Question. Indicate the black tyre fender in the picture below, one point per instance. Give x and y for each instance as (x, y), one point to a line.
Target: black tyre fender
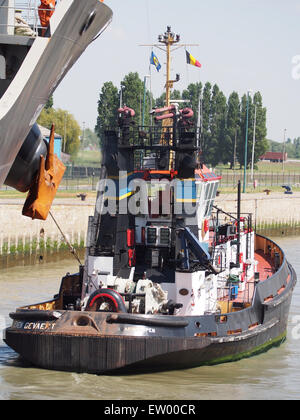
(112, 298)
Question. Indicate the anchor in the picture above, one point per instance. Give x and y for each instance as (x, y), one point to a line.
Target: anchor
(43, 191)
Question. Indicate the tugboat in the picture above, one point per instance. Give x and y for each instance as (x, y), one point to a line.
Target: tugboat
(33, 61)
(170, 281)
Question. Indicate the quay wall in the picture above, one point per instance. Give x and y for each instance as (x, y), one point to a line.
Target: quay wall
(28, 241)
(268, 211)
(34, 240)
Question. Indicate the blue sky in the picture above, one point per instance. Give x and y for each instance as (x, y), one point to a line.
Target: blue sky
(243, 44)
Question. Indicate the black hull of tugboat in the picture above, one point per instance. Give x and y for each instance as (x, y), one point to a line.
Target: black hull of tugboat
(98, 355)
(105, 343)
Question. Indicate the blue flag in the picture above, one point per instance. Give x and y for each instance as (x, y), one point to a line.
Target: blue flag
(154, 61)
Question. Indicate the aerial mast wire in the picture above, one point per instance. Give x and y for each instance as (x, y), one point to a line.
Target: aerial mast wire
(167, 41)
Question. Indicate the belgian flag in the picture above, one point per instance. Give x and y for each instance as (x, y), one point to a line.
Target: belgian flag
(192, 60)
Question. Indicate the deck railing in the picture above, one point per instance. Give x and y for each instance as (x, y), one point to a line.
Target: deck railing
(20, 18)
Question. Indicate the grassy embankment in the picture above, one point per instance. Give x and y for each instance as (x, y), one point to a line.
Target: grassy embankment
(270, 176)
(91, 158)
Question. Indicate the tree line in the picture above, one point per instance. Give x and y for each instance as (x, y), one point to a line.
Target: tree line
(223, 119)
(292, 147)
(65, 125)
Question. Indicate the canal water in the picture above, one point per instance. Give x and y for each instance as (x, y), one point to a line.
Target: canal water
(272, 375)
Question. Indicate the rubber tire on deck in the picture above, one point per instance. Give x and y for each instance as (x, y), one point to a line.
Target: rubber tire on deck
(111, 298)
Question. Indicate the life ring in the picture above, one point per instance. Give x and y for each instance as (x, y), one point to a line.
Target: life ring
(106, 300)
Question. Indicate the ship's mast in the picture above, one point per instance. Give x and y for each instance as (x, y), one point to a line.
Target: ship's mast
(169, 42)
(169, 39)
(166, 41)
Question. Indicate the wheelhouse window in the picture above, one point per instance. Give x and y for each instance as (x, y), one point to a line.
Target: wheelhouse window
(210, 194)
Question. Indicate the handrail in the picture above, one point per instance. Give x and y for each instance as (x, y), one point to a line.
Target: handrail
(28, 14)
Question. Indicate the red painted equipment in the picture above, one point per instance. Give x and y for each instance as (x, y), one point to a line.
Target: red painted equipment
(127, 111)
(130, 238)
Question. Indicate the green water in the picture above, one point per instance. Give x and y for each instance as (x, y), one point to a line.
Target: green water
(271, 375)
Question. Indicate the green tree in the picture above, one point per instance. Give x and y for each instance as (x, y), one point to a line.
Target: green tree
(241, 141)
(213, 123)
(160, 101)
(65, 125)
(176, 95)
(223, 122)
(292, 149)
(49, 103)
(108, 105)
(296, 144)
(89, 138)
(217, 126)
(232, 130)
(206, 105)
(133, 97)
(261, 142)
(192, 94)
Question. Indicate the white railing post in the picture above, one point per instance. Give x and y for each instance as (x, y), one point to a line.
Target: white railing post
(7, 17)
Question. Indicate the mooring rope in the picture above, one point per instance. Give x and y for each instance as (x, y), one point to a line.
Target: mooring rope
(72, 249)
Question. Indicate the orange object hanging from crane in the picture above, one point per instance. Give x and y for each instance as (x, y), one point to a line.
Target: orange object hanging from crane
(43, 191)
(46, 10)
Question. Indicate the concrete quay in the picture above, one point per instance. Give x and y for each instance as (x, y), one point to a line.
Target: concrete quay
(274, 209)
(19, 234)
(17, 231)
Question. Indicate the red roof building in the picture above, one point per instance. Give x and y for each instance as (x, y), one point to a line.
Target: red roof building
(275, 156)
